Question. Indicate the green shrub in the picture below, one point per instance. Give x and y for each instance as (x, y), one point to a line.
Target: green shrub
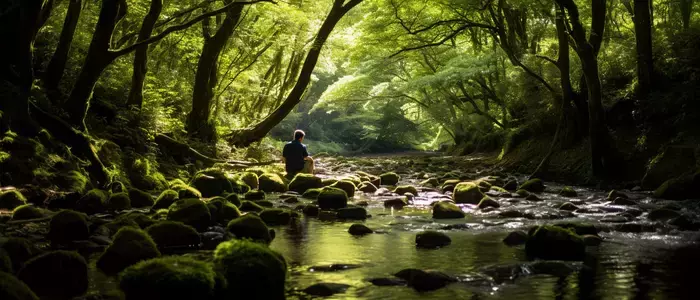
(251, 269)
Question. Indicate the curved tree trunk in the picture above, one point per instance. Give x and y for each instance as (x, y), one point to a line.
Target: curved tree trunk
(141, 55)
(54, 71)
(199, 121)
(247, 136)
(16, 73)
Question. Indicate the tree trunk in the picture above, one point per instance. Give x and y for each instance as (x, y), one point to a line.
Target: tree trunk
(97, 60)
(247, 136)
(686, 12)
(199, 121)
(141, 55)
(54, 71)
(569, 116)
(585, 50)
(16, 73)
(642, 30)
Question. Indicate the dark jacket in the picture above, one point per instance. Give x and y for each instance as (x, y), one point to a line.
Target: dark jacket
(294, 153)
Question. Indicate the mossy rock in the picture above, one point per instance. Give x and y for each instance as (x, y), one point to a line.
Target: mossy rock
(568, 206)
(332, 198)
(11, 288)
(534, 185)
(532, 197)
(19, 250)
(367, 187)
(567, 191)
(140, 219)
(165, 199)
(511, 185)
(172, 278)
(277, 216)
(212, 184)
(680, 188)
(662, 214)
(431, 182)
(129, 247)
(329, 181)
(254, 195)
(311, 193)
(452, 182)
(467, 192)
(120, 223)
(499, 189)
(186, 191)
(95, 201)
(251, 269)
(310, 210)
(11, 199)
(578, 228)
(396, 203)
(67, 226)
(668, 164)
(347, 186)
(250, 227)
(143, 176)
(447, 210)
(515, 238)
(303, 182)
(234, 199)
(26, 212)
(193, 212)
(239, 187)
(249, 206)
(117, 187)
(402, 189)
(119, 201)
(170, 234)
(272, 183)
(249, 178)
(359, 230)
(432, 239)
(488, 202)
(227, 212)
(72, 181)
(176, 182)
(56, 275)
(555, 243)
(352, 213)
(140, 198)
(5, 262)
(614, 194)
(389, 178)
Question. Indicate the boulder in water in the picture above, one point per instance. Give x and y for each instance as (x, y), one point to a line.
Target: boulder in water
(534, 185)
(310, 210)
(591, 240)
(18, 250)
(568, 206)
(403, 189)
(567, 191)
(511, 185)
(93, 202)
(680, 188)
(488, 202)
(423, 281)
(193, 212)
(623, 201)
(129, 247)
(56, 274)
(432, 239)
(467, 192)
(614, 194)
(352, 213)
(248, 206)
(272, 183)
(447, 210)
(139, 198)
(515, 238)
(367, 187)
(254, 195)
(326, 289)
(172, 277)
(555, 243)
(396, 203)
(311, 193)
(12, 288)
(303, 182)
(211, 184)
(249, 178)
(359, 229)
(170, 234)
(250, 269)
(332, 198)
(347, 186)
(250, 227)
(277, 216)
(119, 201)
(662, 214)
(431, 182)
(389, 178)
(67, 226)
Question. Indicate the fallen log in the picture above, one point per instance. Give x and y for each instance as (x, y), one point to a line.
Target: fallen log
(181, 150)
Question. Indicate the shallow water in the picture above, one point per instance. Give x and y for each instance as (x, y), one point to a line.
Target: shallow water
(652, 265)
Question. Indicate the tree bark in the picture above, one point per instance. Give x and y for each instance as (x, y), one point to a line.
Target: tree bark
(686, 12)
(97, 60)
(244, 137)
(199, 121)
(569, 116)
(599, 137)
(141, 55)
(16, 72)
(642, 30)
(57, 64)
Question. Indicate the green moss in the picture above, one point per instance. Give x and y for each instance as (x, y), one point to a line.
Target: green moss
(389, 178)
(26, 212)
(329, 181)
(192, 212)
(311, 193)
(254, 195)
(402, 189)
(143, 176)
(93, 202)
(239, 187)
(186, 191)
(567, 191)
(140, 198)
(251, 269)
(447, 210)
(228, 212)
(303, 182)
(534, 185)
(249, 178)
(248, 206)
(367, 187)
(488, 202)
(172, 278)
(498, 189)
(347, 186)
(176, 182)
(272, 183)
(211, 184)
(467, 192)
(277, 216)
(11, 199)
(169, 234)
(432, 182)
(140, 219)
(250, 227)
(71, 181)
(129, 247)
(165, 199)
(452, 182)
(234, 199)
(19, 250)
(119, 201)
(68, 226)
(56, 275)
(12, 288)
(4, 156)
(332, 198)
(554, 242)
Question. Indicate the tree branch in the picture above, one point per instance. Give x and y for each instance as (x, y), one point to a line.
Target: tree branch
(445, 39)
(548, 59)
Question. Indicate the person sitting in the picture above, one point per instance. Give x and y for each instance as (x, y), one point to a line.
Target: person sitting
(295, 156)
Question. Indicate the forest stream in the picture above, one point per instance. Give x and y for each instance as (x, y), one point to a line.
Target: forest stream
(642, 255)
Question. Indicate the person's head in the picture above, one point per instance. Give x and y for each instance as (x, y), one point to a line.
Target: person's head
(299, 135)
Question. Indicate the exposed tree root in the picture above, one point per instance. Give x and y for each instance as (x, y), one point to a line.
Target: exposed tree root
(183, 152)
